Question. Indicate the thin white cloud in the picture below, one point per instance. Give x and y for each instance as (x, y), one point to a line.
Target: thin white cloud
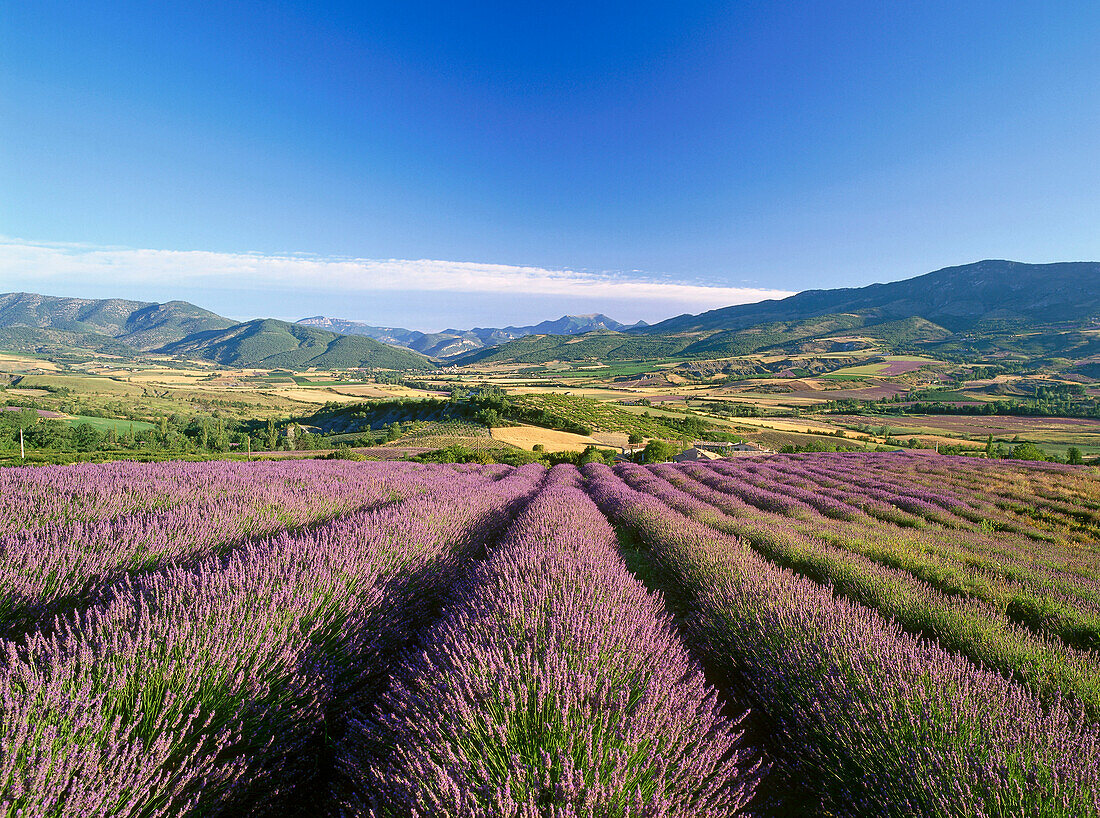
(36, 265)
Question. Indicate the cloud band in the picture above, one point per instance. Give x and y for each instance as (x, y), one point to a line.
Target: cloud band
(23, 263)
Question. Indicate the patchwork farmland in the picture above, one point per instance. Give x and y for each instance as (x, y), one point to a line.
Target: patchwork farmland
(834, 634)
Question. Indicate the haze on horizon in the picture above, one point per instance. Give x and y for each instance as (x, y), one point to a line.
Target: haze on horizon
(432, 164)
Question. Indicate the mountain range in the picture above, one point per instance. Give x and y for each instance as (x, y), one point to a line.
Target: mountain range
(1001, 308)
(991, 306)
(30, 322)
(113, 322)
(451, 342)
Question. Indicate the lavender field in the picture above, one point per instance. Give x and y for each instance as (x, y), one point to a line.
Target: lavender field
(866, 634)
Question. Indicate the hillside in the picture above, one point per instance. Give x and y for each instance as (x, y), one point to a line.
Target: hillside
(268, 343)
(394, 336)
(137, 325)
(983, 295)
(595, 346)
(991, 307)
(452, 342)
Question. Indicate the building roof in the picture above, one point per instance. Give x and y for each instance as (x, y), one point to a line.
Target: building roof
(695, 455)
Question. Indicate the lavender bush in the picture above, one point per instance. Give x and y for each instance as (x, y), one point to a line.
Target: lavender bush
(873, 719)
(555, 685)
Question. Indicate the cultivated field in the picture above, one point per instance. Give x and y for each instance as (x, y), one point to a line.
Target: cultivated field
(527, 437)
(883, 634)
(1052, 433)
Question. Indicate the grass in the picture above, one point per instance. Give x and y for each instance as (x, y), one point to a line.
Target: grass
(617, 370)
(598, 416)
(106, 424)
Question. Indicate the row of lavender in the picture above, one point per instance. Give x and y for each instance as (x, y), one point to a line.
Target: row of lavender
(300, 673)
(554, 684)
(208, 687)
(1046, 581)
(395, 659)
(977, 629)
(870, 719)
(140, 517)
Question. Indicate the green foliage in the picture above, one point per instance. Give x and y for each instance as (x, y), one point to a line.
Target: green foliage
(1053, 400)
(1027, 451)
(586, 415)
(660, 451)
(819, 446)
(458, 453)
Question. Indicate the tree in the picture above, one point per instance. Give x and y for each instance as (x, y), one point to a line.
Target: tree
(634, 439)
(1027, 451)
(271, 435)
(219, 441)
(989, 445)
(660, 451)
(1073, 456)
(86, 437)
(490, 417)
(49, 434)
(593, 454)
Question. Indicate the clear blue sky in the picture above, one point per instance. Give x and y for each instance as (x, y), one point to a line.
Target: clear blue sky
(764, 145)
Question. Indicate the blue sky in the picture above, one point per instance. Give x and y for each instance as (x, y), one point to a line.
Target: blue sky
(639, 159)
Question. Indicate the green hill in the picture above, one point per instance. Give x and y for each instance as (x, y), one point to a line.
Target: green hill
(119, 324)
(46, 341)
(983, 295)
(271, 344)
(1026, 310)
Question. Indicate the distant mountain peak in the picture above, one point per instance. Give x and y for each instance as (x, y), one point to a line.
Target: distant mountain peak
(451, 342)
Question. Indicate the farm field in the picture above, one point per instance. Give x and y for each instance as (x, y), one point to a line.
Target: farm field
(1053, 433)
(580, 396)
(830, 634)
(891, 365)
(526, 437)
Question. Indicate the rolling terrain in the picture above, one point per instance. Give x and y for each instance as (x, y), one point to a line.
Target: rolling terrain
(271, 344)
(1003, 308)
(451, 342)
(114, 324)
(42, 324)
(993, 309)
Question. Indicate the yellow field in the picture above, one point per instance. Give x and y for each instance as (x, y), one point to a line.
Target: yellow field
(526, 437)
(18, 363)
(616, 439)
(167, 377)
(85, 385)
(578, 391)
(810, 426)
(318, 396)
(367, 391)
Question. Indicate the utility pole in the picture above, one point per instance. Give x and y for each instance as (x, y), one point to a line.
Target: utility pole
(22, 451)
